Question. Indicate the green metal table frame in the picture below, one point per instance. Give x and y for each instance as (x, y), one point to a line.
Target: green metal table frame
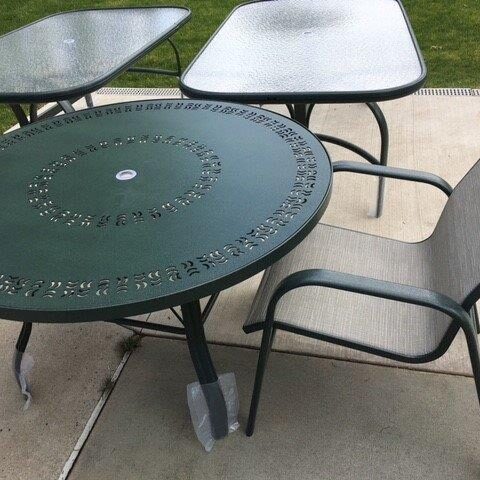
(100, 206)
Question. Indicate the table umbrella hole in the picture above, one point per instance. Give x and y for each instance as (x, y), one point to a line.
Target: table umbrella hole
(123, 175)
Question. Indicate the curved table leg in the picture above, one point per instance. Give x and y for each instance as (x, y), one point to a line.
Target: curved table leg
(382, 125)
(197, 344)
(20, 348)
(302, 113)
(63, 105)
(177, 57)
(23, 120)
(160, 71)
(19, 113)
(290, 109)
(349, 146)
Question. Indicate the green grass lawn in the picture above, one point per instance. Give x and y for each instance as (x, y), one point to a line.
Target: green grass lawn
(448, 32)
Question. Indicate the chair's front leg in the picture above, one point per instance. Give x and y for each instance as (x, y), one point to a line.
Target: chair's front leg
(472, 342)
(474, 315)
(267, 341)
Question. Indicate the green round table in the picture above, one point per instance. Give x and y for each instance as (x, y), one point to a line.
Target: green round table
(131, 208)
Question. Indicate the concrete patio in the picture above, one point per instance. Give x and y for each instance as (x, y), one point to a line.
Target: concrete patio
(327, 412)
(318, 419)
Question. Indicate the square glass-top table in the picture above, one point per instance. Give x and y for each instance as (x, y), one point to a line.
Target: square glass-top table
(305, 52)
(71, 54)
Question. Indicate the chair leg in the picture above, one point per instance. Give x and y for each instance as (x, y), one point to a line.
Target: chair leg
(472, 342)
(267, 342)
(474, 315)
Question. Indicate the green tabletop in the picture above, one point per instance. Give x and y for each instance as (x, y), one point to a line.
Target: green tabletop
(129, 208)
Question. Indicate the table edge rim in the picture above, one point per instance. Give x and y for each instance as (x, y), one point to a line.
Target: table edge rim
(84, 89)
(310, 97)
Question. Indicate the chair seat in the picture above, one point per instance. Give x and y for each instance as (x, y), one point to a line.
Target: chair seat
(386, 325)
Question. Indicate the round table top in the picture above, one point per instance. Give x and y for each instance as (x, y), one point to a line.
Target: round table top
(133, 207)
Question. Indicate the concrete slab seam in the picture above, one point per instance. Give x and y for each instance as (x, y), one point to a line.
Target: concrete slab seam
(93, 418)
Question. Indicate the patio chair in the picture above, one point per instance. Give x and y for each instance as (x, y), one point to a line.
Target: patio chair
(399, 300)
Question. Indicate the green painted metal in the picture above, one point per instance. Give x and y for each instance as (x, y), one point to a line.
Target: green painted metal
(218, 192)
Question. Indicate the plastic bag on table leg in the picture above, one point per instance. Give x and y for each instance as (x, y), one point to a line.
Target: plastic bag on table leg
(199, 411)
(22, 366)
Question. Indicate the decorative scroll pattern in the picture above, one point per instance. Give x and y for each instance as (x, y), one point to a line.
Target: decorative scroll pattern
(38, 190)
(302, 187)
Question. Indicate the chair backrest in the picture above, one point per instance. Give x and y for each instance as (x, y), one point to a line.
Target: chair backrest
(455, 242)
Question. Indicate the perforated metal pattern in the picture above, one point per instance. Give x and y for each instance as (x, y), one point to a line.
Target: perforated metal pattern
(220, 192)
(273, 50)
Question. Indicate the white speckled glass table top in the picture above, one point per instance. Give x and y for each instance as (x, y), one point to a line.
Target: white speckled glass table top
(309, 51)
(73, 53)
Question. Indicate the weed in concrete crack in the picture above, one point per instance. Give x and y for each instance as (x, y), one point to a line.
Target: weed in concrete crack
(130, 343)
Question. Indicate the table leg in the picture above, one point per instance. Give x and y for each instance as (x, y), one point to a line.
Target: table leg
(66, 105)
(383, 127)
(23, 120)
(33, 112)
(89, 100)
(177, 57)
(19, 113)
(20, 348)
(197, 344)
(300, 113)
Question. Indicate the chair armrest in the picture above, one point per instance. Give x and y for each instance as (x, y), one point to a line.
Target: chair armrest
(393, 172)
(371, 287)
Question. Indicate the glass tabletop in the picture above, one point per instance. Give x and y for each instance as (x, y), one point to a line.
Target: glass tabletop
(301, 51)
(76, 52)
(134, 207)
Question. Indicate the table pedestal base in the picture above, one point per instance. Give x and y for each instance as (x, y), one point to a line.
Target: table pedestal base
(202, 418)
(22, 363)
(202, 362)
